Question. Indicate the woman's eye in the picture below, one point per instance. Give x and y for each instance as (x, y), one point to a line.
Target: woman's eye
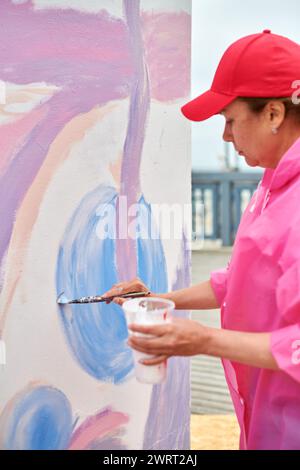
(229, 121)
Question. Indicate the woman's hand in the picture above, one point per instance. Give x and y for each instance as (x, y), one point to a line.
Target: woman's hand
(184, 337)
(181, 337)
(136, 285)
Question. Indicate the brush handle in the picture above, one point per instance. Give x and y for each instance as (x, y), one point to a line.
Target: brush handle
(99, 298)
(132, 294)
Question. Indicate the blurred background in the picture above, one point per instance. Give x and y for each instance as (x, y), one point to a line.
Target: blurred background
(215, 25)
(222, 182)
(222, 185)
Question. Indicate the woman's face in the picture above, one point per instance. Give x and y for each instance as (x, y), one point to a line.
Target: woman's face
(251, 134)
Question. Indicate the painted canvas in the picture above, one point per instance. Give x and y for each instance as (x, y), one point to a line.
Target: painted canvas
(90, 122)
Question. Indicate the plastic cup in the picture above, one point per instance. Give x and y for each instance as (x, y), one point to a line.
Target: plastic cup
(148, 311)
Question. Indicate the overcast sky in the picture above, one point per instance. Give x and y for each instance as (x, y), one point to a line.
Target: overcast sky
(216, 24)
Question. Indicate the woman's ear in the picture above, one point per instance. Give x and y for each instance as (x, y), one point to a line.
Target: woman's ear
(275, 113)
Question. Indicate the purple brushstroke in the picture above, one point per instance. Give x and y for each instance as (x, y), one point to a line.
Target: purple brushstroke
(139, 106)
(168, 423)
(138, 112)
(165, 429)
(55, 42)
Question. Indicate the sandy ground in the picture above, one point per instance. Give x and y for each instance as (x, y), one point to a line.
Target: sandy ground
(214, 432)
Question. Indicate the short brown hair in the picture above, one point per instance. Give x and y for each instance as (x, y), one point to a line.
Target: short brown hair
(256, 105)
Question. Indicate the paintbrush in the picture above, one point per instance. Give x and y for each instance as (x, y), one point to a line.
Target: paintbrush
(63, 300)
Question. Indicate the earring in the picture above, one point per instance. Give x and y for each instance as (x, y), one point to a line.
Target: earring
(274, 130)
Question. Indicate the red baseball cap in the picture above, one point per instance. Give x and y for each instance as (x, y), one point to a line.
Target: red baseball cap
(260, 66)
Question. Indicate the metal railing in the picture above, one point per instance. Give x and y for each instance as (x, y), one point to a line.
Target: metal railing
(218, 201)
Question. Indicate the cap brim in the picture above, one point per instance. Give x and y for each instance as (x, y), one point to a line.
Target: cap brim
(206, 105)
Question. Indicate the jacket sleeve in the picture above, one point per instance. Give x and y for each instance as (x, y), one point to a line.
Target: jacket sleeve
(285, 341)
(218, 281)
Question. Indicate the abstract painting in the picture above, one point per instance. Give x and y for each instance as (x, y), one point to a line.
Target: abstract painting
(91, 118)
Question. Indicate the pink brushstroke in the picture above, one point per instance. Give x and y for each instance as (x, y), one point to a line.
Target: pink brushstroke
(97, 427)
(91, 58)
(32, 39)
(168, 53)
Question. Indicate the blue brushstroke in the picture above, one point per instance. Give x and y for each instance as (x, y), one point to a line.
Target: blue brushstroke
(41, 420)
(97, 333)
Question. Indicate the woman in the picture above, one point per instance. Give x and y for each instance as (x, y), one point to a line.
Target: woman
(259, 291)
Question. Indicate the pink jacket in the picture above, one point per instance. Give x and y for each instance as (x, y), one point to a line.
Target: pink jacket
(260, 292)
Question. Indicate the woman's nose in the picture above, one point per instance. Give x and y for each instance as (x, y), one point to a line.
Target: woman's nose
(227, 135)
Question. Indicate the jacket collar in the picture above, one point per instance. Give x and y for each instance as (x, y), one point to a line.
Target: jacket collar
(287, 168)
